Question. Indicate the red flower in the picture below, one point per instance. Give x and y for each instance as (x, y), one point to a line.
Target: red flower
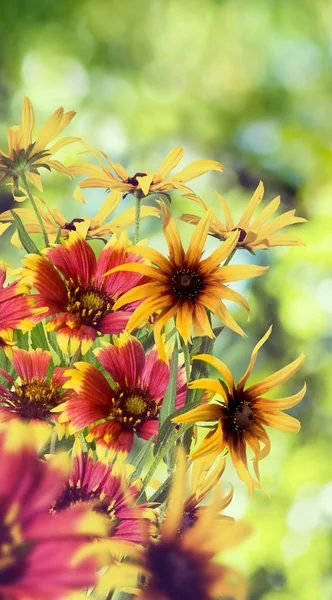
(70, 284)
(37, 550)
(34, 397)
(16, 310)
(105, 488)
(131, 405)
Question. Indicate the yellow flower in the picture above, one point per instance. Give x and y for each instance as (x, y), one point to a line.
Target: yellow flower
(114, 176)
(26, 157)
(88, 228)
(241, 413)
(180, 564)
(184, 285)
(255, 234)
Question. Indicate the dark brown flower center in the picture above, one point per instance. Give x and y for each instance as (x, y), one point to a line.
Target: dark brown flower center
(34, 399)
(133, 180)
(242, 235)
(133, 407)
(244, 417)
(186, 283)
(88, 303)
(176, 574)
(71, 225)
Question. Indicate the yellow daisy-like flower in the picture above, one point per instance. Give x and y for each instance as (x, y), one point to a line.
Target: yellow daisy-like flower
(180, 564)
(240, 414)
(114, 176)
(27, 157)
(88, 228)
(257, 234)
(184, 285)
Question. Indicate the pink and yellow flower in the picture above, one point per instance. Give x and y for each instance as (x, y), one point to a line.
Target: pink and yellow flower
(127, 407)
(106, 489)
(37, 550)
(17, 309)
(79, 299)
(36, 394)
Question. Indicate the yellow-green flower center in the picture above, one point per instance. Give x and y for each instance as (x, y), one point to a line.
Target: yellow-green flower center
(88, 303)
(34, 399)
(133, 407)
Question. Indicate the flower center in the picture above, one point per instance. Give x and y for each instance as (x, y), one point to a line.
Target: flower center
(186, 283)
(34, 399)
(75, 494)
(175, 574)
(133, 180)
(244, 417)
(134, 407)
(88, 303)
(71, 225)
(242, 235)
(12, 549)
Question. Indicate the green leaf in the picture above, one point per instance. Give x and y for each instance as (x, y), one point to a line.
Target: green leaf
(26, 241)
(21, 339)
(38, 338)
(178, 433)
(168, 405)
(139, 460)
(161, 494)
(7, 366)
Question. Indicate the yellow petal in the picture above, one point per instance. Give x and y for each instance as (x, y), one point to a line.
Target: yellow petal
(196, 169)
(227, 212)
(27, 122)
(267, 384)
(172, 236)
(168, 164)
(254, 202)
(220, 366)
(198, 239)
(253, 358)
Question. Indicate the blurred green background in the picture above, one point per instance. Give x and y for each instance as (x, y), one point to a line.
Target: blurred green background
(249, 84)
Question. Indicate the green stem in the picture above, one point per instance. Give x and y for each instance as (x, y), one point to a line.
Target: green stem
(137, 217)
(229, 258)
(53, 441)
(187, 364)
(34, 206)
(162, 453)
(75, 357)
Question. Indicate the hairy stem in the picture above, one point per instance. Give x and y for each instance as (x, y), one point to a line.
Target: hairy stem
(137, 217)
(34, 206)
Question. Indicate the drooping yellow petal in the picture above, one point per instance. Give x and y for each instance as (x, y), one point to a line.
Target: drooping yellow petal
(184, 319)
(200, 414)
(208, 384)
(253, 358)
(145, 182)
(267, 405)
(237, 272)
(280, 420)
(219, 365)
(267, 384)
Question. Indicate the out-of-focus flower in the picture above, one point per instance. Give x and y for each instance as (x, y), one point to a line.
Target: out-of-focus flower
(106, 489)
(26, 157)
(79, 299)
(115, 178)
(33, 398)
(202, 484)
(130, 405)
(16, 310)
(56, 224)
(180, 566)
(37, 549)
(241, 414)
(254, 235)
(185, 286)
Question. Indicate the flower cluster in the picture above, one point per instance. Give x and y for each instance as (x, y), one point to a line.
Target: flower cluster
(109, 381)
